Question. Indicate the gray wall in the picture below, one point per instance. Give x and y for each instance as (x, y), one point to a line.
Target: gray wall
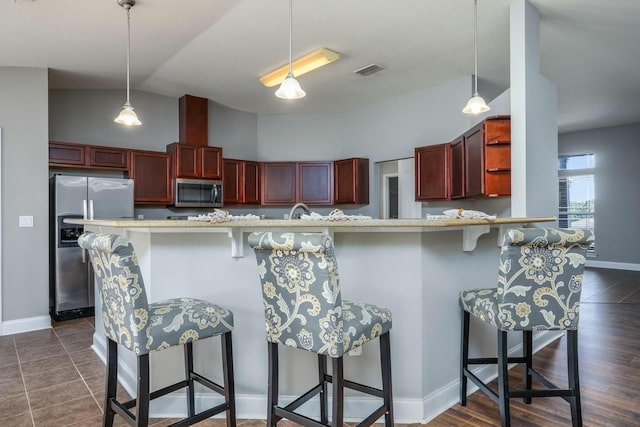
(25, 191)
(617, 199)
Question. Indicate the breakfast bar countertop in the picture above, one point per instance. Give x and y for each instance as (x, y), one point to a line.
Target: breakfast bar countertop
(397, 224)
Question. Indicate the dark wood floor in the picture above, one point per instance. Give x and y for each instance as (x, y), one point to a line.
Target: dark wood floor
(609, 359)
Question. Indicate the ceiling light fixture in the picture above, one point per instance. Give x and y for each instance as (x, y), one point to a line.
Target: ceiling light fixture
(300, 66)
(290, 88)
(127, 116)
(476, 104)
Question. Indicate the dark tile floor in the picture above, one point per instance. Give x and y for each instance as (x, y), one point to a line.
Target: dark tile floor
(53, 378)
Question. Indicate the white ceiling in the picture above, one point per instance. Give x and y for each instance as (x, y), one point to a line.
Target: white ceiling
(218, 48)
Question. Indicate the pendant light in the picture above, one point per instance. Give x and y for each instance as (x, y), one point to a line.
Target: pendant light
(476, 104)
(127, 116)
(290, 88)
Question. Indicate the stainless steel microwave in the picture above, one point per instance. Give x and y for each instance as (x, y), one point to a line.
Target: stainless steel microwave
(197, 193)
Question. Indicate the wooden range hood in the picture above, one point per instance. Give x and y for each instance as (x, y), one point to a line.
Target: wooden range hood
(193, 121)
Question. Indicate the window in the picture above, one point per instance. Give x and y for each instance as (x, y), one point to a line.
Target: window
(577, 201)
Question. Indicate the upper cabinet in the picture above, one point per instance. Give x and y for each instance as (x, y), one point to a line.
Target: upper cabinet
(193, 119)
(151, 172)
(432, 165)
(476, 164)
(241, 181)
(191, 161)
(315, 183)
(351, 181)
(66, 154)
(457, 175)
(287, 183)
(487, 149)
(278, 183)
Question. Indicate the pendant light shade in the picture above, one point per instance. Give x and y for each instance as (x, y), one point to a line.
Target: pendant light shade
(127, 116)
(290, 88)
(476, 104)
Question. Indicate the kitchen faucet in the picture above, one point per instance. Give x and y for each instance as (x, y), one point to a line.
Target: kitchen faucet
(299, 205)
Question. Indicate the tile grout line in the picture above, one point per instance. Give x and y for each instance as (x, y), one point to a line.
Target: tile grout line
(76, 368)
(24, 383)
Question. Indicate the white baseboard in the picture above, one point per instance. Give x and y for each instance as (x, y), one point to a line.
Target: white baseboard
(613, 265)
(248, 406)
(10, 327)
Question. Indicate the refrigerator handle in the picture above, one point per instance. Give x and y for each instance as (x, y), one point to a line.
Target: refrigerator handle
(84, 209)
(90, 209)
(84, 256)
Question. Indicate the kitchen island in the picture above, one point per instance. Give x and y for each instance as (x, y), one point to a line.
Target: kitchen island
(415, 267)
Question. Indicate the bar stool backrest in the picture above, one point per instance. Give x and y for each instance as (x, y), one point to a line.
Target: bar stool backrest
(125, 310)
(540, 278)
(301, 291)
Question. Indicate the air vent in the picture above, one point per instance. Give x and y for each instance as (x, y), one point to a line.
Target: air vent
(369, 69)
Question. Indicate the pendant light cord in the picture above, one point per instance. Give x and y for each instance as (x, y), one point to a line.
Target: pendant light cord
(128, 48)
(290, 36)
(475, 46)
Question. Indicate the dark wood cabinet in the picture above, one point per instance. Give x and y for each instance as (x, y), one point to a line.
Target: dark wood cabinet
(185, 160)
(67, 154)
(210, 162)
(432, 168)
(457, 175)
(232, 181)
(108, 157)
(251, 182)
(278, 183)
(193, 119)
(315, 183)
(190, 161)
(287, 183)
(351, 178)
(151, 171)
(241, 181)
(487, 149)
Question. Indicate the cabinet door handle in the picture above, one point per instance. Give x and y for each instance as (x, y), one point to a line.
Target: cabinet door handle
(90, 209)
(84, 209)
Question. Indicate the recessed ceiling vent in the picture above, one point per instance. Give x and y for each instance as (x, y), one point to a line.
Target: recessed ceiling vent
(368, 70)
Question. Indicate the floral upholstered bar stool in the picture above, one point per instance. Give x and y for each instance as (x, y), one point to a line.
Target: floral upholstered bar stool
(129, 320)
(304, 309)
(539, 285)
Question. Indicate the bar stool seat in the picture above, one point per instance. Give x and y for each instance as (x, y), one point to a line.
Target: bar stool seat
(129, 320)
(539, 286)
(304, 309)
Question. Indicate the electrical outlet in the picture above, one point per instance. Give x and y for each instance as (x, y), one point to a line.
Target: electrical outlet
(25, 221)
(356, 351)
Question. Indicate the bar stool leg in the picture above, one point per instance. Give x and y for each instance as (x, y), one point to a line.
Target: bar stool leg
(272, 394)
(385, 362)
(324, 399)
(142, 400)
(188, 367)
(227, 368)
(527, 350)
(464, 355)
(503, 379)
(573, 374)
(337, 416)
(112, 382)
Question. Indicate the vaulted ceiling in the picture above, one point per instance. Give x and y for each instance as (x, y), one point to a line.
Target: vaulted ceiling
(218, 48)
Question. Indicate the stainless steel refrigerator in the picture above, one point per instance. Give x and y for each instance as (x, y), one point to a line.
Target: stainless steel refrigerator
(71, 287)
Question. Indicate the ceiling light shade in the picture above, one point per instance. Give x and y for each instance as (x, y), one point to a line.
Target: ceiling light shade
(476, 104)
(290, 88)
(127, 116)
(300, 66)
